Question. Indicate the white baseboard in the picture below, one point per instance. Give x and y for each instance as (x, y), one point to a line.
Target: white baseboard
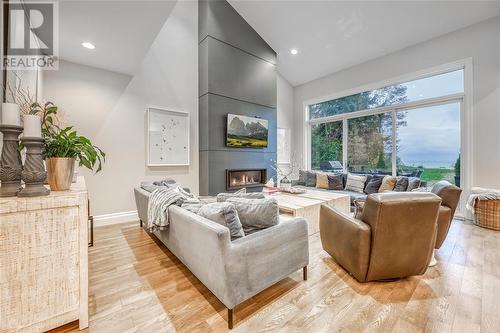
(115, 218)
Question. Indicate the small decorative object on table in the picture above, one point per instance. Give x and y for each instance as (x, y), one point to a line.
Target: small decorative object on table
(34, 174)
(270, 183)
(10, 163)
(285, 184)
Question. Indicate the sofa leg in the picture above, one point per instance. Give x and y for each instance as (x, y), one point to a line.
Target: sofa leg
(230, 319)
(304, 273)
(140, 222)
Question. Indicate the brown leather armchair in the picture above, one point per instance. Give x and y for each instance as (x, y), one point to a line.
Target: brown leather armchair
(450, 196)
(394, 238)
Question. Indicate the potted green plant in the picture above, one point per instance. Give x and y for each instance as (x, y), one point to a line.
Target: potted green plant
(62, 149)
(63, 146)
(457, 171)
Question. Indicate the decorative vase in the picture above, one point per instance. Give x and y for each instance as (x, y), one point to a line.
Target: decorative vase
(285, 184)
(60, 172)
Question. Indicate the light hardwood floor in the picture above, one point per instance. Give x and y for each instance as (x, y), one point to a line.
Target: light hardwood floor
(137, 285)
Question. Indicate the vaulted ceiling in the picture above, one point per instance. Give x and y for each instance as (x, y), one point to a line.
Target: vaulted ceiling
(334, 35)
(122, 31)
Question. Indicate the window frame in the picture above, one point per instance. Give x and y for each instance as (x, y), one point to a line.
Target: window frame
(466, 108)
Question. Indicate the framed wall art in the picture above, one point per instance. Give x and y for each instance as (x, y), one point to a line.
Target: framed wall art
(167, 137)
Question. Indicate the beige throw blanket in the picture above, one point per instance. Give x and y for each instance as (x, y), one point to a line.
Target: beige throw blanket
(479, 193)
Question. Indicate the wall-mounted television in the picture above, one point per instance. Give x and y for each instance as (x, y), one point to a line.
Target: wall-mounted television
(246, 132)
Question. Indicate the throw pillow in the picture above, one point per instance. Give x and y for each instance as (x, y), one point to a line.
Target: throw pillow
(311, 179)
(221, 197)
(223, 213)
(413, 183)
(256, 214)
(401, 184)
(165, 182)
(302, 178)
(185, 193)
(322, 180)
(373, 185)
(192, 205)
(355, 183)
(335, 182)
(388, 184)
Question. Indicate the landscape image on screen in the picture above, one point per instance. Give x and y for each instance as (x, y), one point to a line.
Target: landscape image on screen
(246, 132)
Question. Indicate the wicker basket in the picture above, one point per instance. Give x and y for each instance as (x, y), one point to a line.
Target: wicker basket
(487, 214)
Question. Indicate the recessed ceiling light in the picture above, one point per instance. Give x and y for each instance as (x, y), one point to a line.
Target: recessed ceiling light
(88, 45)
(294, 51)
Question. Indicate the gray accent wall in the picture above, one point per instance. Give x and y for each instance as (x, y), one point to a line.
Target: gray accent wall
(237, 75)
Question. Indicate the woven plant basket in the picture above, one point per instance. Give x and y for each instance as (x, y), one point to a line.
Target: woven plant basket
(487, 214)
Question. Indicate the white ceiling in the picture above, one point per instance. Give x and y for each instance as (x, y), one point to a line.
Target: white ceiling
(122, 31)
(334, 35)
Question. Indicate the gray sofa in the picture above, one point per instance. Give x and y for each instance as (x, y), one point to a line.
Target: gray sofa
(236, 270)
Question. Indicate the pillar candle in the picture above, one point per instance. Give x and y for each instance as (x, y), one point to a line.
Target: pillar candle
(32, 126)
(11, 114)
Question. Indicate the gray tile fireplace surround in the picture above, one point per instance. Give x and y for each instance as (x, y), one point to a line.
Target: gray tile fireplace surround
(237, 75)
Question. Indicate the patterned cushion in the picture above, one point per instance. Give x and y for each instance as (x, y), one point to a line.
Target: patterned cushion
(302, 178)
(388, 184)
(322, 180)
(373, 185)
(311, 179)
(413, 183)
(355, 183)
(335, 182)
(401, 184)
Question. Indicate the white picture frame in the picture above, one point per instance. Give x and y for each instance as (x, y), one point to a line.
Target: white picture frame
(283, 146)
(167, 136)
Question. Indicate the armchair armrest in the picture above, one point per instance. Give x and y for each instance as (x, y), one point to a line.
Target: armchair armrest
(346, 239)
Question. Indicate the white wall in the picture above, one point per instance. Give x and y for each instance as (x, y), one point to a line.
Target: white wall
(110, 109)
(480, 41)
(285, 109)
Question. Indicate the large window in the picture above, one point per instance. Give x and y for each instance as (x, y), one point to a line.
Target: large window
(429, 143)
(370, 144)
(416, 133)
(326, 145)
(434, 86)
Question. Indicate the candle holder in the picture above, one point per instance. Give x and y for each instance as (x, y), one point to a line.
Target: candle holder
(10, 163)
(33, 174)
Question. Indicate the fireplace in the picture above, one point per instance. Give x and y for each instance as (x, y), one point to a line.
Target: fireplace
(244, 178)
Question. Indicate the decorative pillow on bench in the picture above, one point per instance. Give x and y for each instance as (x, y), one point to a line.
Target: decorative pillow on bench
(335, 182)
(355, 183)
(401, 184)
(256, 214)
(388, 184)
(373, 185)
(322, 180)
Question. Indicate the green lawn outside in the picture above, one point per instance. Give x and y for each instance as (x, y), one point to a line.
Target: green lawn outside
(433, 175)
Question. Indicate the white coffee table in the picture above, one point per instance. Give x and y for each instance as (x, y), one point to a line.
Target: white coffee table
(307, 205)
